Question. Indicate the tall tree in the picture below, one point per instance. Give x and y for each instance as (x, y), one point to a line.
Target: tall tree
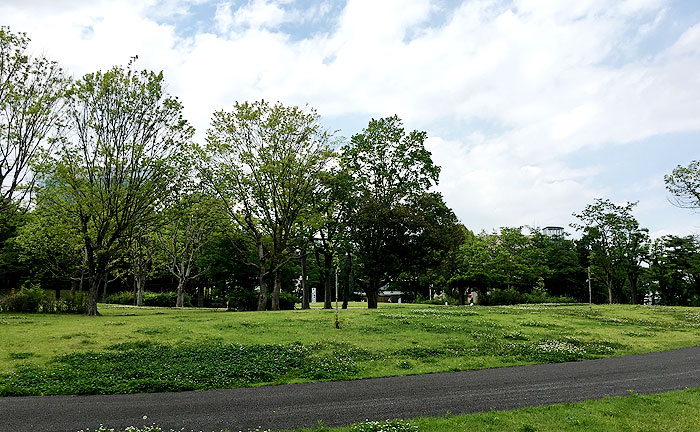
(388, 168)
(684, 184)
(616, 243)
(186, 228)
(263, 163)
(31, 90)
(117, 165)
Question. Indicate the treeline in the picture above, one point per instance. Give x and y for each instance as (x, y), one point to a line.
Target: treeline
(104, 190)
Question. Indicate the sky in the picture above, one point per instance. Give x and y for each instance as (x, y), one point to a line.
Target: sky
(533, 108)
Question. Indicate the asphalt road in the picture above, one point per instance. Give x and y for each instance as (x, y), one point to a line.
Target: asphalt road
(345, 402)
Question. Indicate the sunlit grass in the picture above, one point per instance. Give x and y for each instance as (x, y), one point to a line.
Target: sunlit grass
(394, 340)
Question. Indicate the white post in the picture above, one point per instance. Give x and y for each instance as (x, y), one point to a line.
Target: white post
(590, 295)
(337, 323)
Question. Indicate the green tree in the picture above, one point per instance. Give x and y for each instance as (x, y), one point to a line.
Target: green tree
(263, 164)
(186, 228)
(31, 91)
(684, 184)
(675, 270)
(616, 243)
(388, 168)
(117, 166)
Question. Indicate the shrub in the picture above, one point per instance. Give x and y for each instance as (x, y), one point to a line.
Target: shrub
(241, 299)
(287, 301)
(26, 300)
(512, 296)
(36, 300)
(122, 298)
(166, 299)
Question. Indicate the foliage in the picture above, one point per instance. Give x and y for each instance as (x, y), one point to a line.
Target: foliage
(263, 162)
(391, 173)
(122, 298)
(684, 184)
(37, 300)
(674, 270)
(241, 299)
(511, 296)
(124, 116)
(617, 245)
(26, 300)
(187, 226)
(164, 299)
(31, 90)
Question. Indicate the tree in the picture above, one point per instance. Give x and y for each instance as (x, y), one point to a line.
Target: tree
(263, 164)
(684, 184)
(616, 243)
(49, 243)
(31, 91)
(186, 229)
(388, 167)
(115, 168)
(675, 270)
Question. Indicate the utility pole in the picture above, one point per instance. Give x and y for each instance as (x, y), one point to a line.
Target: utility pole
(590, 295)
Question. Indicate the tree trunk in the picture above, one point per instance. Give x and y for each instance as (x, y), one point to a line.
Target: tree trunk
(328, 265)
(92, 296)
(633, 287)
(372, 294)
(305, 289)
(104, 288)
(461, 295)
(277, 287)
(200, 296)
(610, 290)
(262, 297)
(140, 287)
(73, 287)
(180, 293)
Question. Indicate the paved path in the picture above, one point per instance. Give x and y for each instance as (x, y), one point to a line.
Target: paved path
(339, 403)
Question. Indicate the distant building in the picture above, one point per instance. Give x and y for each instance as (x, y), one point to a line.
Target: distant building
(553, 231)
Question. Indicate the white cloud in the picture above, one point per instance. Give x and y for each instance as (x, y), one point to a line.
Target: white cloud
(548, 78)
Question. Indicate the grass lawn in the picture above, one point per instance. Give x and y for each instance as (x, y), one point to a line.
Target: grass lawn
(131, 349)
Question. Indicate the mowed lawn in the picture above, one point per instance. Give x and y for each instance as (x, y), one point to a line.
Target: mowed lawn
(131, 349)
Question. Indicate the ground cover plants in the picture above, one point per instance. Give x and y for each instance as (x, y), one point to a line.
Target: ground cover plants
(131, 349)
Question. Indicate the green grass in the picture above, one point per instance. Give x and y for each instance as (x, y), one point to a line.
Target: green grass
(131, 349)
(677, 411)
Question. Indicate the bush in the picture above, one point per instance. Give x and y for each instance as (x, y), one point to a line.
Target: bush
(512, 296)
(36, 300)
(166, 299)
(241, 299)
(122, 298)
(26, 300)
(287, 301)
